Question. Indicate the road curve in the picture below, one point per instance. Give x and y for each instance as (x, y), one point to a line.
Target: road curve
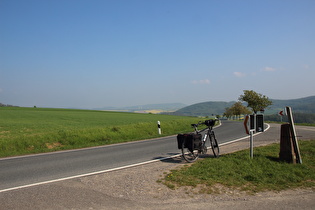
(22, 171)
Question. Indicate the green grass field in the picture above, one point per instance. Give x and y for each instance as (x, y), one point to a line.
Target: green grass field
(36, 130)
(238, 171)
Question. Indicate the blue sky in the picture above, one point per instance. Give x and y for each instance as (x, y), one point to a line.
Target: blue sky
(90, 54)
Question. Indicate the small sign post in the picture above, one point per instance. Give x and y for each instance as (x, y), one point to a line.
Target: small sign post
(251, 143)
(281, 114)
(251, 133)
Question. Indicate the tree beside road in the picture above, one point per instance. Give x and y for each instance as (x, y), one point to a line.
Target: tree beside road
(254, 100)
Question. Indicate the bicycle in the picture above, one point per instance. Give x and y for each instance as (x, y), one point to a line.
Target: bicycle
(192, 144)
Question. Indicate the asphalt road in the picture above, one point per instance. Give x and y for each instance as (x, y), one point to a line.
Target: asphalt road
(22, 171)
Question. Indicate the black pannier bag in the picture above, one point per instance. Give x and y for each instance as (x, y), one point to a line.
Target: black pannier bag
(192, 141)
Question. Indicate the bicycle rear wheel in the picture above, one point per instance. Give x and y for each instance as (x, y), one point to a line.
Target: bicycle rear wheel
(189, 156)
(214, 145)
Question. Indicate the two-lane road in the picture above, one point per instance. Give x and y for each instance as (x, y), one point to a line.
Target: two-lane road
(29, 170)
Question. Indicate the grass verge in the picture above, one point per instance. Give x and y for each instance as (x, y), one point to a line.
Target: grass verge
(237, 171)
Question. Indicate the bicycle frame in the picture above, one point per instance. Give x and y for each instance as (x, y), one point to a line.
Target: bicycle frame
(207, 129)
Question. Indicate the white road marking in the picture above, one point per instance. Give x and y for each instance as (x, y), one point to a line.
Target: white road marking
(83, 175)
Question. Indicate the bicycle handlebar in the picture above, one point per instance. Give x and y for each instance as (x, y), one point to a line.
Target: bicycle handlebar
(208, 123)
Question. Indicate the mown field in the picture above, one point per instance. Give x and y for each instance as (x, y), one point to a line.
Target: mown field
(36, 130)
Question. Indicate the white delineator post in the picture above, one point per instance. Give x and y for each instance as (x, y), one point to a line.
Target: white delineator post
(159, 127)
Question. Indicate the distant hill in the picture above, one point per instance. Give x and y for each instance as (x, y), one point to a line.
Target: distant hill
(303, 110)
(168, 107)
(204, 109)
(301, 105)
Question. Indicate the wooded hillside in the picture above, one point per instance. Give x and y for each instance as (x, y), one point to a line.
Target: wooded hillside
(303, 109)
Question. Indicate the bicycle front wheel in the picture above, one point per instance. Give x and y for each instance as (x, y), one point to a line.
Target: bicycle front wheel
(188, 155)
(214, 145)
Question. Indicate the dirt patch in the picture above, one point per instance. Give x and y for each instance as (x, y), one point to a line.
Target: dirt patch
(53, 145)
(4, 132)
